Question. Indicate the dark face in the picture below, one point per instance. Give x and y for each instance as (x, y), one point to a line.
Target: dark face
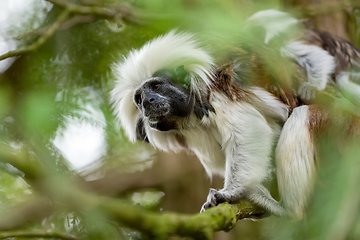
(162, 103)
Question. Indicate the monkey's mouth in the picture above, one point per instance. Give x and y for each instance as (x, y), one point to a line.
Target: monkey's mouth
(164, 123)
(156, 115)
(155, 119)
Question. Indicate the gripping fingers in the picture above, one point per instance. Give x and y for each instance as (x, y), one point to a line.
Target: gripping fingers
(214, 198)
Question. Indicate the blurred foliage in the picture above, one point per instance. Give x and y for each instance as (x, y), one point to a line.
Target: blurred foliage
(13, 188)
(71, 72)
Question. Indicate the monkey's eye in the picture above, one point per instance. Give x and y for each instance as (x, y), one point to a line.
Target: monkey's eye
(156, 87)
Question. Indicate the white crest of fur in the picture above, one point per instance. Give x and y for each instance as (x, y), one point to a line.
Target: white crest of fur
(273, 21)
(295, 160)
(165, 52)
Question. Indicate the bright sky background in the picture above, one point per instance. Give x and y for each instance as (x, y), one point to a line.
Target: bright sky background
(82, 141)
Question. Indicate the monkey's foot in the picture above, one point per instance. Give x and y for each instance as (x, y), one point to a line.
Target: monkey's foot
(215, 197)
(307, 91)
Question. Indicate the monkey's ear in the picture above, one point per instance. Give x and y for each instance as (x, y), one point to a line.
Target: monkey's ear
(202, 108)
(140, 131)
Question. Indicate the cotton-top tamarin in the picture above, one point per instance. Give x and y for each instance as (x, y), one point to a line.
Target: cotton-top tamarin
(171, 94)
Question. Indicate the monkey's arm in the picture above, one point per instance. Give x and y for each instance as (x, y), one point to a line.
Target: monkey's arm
(247, 141)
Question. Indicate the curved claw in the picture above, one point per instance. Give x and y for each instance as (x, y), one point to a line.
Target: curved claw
(214, 198)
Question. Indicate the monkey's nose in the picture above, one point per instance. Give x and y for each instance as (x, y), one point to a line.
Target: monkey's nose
(151, 100)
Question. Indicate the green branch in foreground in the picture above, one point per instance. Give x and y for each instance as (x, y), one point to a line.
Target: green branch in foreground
(28, 234)
(155, 225)
(161, 225)
(164, 225)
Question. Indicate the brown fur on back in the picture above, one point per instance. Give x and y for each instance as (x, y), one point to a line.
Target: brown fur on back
(346, 55)
(263, 68)
(226, 82)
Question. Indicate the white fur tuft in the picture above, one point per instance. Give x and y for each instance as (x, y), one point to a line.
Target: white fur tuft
(165, 52)
(295, 162)
(272, 105)
(317, 62)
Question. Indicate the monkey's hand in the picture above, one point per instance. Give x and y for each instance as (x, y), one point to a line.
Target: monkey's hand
(215, 197)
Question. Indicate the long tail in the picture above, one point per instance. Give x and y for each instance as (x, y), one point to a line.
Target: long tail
(295, 159)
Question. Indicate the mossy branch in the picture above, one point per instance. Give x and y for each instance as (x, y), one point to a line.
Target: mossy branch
(155, 225)
(32, 235)
(163, 225)
(198, 226)
(70, 195)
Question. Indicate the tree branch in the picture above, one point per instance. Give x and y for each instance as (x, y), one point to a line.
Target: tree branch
(120, 13)
(80, 14)
(25, 234)
(198, 226)
(63, 26)
(85, 10)
(156, 225)
(50, 31)
(163, 225)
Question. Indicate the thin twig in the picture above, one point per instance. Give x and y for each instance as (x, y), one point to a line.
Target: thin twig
(41, 40)
(76, 20)
(63, 26)
(85, 10)
(118, 13)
